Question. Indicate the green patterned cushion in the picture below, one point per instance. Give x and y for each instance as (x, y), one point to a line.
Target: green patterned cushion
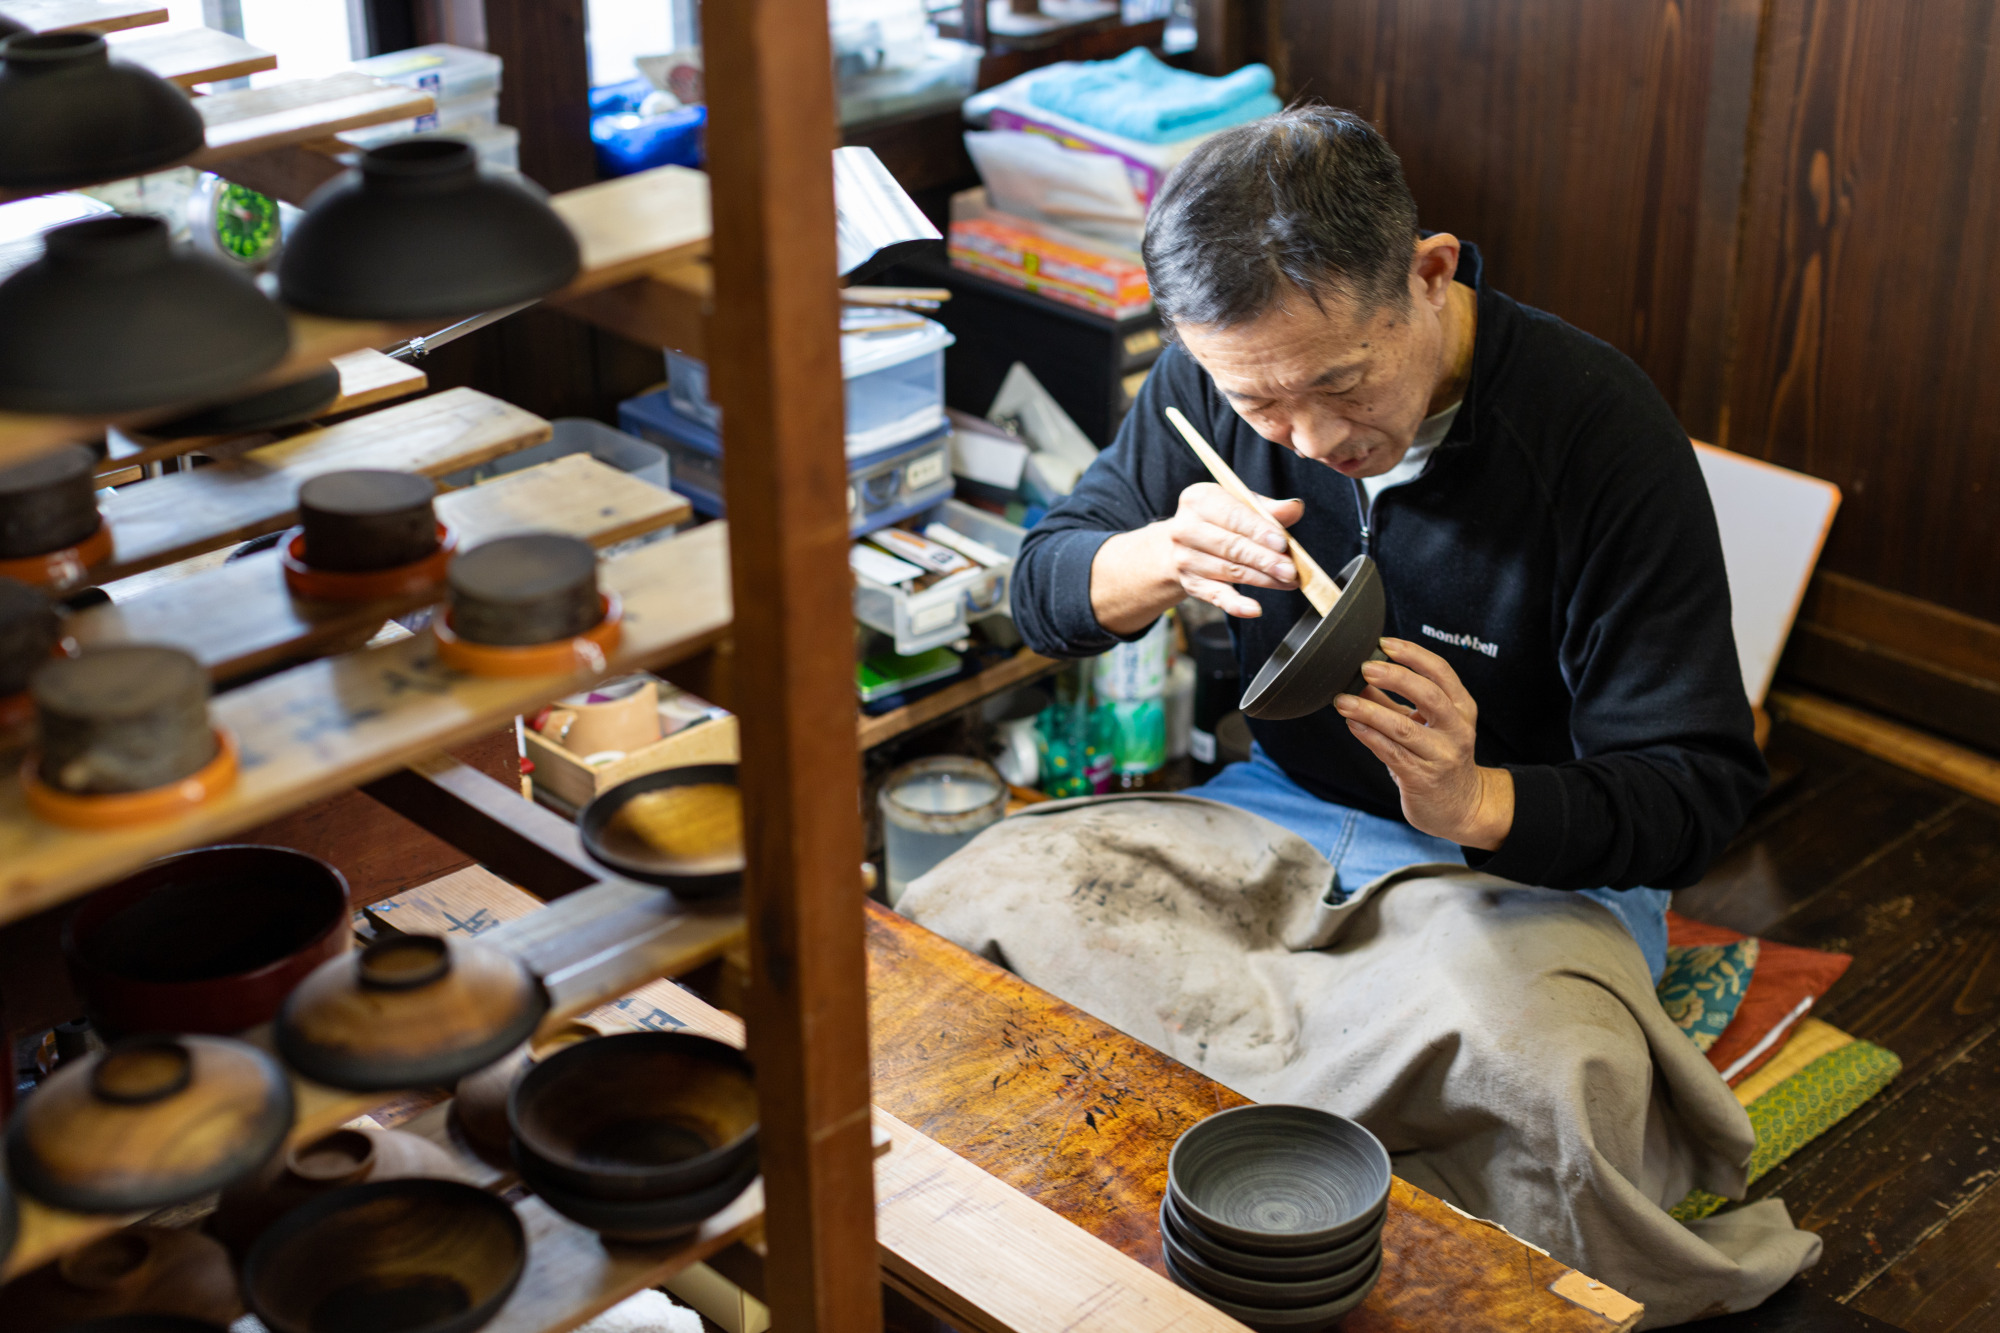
(1703, 985)
(1803, 1107)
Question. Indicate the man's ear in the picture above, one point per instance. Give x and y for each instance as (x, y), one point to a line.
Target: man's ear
(1433, 267)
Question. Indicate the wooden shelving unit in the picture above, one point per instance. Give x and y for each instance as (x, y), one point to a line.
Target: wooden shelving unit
(1023, 667)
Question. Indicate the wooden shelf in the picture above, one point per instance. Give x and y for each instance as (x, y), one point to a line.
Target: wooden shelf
(188, 56)
(1022, 667)
(329, 725)
(257, 120)
(656, 217)
(173, 517)
(239, 617)
(70, 15)
(367, 379)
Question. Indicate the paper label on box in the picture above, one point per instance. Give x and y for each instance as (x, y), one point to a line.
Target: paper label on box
(925, 471)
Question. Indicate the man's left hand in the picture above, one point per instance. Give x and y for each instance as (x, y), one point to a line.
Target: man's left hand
(1428, 749)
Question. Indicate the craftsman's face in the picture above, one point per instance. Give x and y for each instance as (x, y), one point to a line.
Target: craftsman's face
(1330, 382)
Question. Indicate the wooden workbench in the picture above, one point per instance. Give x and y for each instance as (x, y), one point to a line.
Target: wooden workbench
(1080, 1117)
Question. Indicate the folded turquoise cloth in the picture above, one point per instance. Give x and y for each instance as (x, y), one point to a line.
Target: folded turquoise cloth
(1141, 98)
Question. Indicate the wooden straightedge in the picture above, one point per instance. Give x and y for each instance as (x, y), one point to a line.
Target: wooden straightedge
(326, 726)
(171, 518)
(239, 617)
(188, 56)
(70, 15)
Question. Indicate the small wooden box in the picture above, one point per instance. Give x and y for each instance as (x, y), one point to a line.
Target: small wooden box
(562, 773)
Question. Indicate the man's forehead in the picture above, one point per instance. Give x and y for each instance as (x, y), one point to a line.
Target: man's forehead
(1294, 348)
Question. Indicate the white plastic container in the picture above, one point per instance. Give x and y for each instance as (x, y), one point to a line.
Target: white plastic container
(895, 386)
(448, 73)
(467, 117)
(941, 613)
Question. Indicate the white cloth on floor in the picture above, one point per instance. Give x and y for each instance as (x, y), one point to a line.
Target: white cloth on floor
(1505, 1043)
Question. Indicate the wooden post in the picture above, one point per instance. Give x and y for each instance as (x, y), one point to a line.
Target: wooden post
(774, 360)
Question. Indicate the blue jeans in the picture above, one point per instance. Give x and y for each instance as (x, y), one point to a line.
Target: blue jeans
(1363, 846)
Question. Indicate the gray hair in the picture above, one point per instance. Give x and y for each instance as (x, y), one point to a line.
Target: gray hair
(1311, 199)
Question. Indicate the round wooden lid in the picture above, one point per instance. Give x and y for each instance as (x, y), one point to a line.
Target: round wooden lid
(409, 1011)
(29, 629)
(120, 682)
(48, 503)
(537, 587)
(367, 519)
(151, 1121)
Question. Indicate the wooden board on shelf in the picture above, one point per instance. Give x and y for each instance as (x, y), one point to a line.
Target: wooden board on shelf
(367, 379)
(238, 617)
(69, 15)
(632, 224)
(188, 56)
(171, 518)
(256, 120)
(329, 725)
(1022, 667)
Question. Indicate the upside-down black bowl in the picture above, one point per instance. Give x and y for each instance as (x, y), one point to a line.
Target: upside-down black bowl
(113, 319)
(75, 116)
(420, 232)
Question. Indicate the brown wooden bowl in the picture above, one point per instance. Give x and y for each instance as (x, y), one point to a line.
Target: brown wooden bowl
(305, 1171)
(210, 940)
(479, 1102)
(10, 1220)
(409, 1011)
(646, 1220)
(613, 834)
(136, 1270)
(398, 1256)
(636, 1116)
(150, 1122)
(146, 1323)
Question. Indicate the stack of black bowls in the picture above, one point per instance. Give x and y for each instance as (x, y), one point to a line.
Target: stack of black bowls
(1274, 1215)
(640, 1136)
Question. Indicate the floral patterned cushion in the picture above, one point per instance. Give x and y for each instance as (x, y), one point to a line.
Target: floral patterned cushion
(1704, 984)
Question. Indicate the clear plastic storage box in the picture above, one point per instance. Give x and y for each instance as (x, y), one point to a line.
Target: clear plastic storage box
(895, 385)
(939, 614)
(448, 73)
(576, 435)
(884, 487)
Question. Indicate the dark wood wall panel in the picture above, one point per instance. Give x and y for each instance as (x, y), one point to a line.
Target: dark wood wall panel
(1581, 144)
(1870, 283)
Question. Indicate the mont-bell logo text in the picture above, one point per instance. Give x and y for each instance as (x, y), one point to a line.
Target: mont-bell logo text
(1472, 641)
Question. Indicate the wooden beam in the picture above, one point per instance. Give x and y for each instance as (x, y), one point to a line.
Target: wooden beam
(634, 224)
(171, 518)
(187, 56)
(367, 379)
(774, 357)
(238, 617)
(321, 728)
(1970, 772)
(71, 15)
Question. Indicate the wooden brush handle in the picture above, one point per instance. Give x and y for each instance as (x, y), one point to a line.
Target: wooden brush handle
(1319, 589)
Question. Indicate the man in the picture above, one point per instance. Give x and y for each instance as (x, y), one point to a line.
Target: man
(1562, 709)
(1558, 612)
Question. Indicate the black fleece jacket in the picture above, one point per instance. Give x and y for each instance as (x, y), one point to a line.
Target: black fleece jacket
(1560, 551)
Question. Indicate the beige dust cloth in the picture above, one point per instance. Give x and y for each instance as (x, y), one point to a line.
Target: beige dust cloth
(1504, 1042)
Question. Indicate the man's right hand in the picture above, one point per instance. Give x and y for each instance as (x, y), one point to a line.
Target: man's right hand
(1209, 548)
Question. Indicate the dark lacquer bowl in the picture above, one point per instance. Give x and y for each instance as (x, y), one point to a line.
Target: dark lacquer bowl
(615, 827)
(399, 1256)
(1267, 1267)
(1308, 1319)
(210, 940)
(1279, 1180)
(645, 1219)
(635, 1116)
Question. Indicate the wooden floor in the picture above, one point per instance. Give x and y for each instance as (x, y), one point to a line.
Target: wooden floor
(1855, 855)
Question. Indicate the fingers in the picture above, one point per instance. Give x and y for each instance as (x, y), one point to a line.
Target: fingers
(1396, 726)
(1374, 695)
(1210, 503)
(1223, 597)
(1431, 667)
(1429, 697)
(1199, 564)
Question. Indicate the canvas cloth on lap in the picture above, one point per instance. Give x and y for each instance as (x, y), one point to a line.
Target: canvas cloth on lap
(1504, 1042)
